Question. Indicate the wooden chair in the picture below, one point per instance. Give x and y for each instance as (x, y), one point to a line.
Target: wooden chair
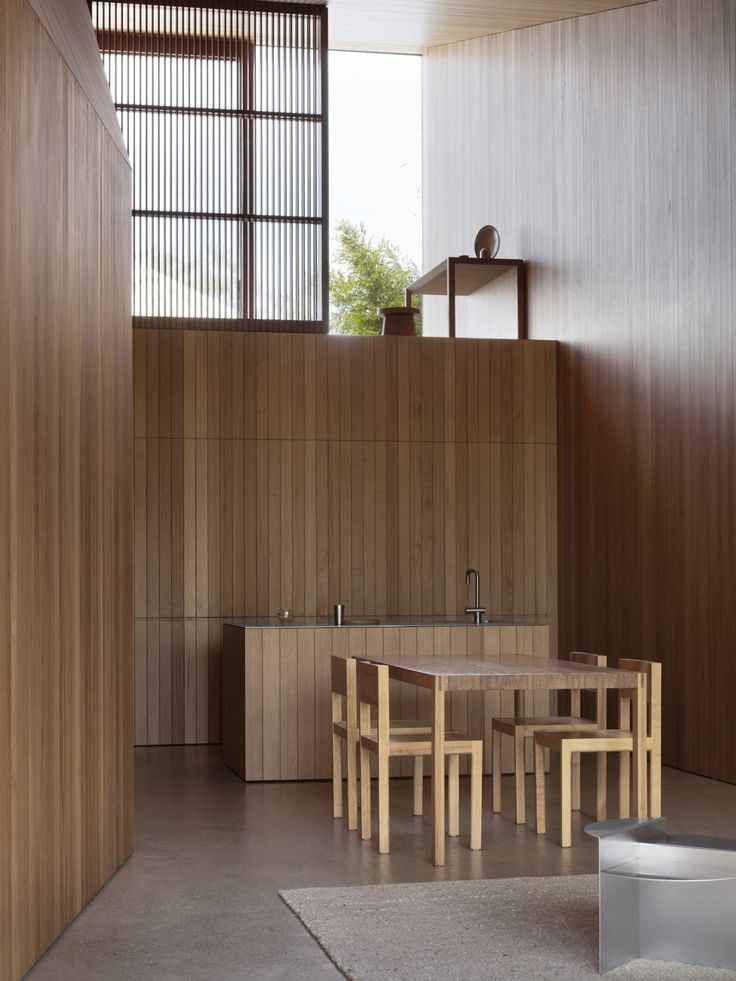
(345, 730)
(604, 741)
(373, 692)
(521, 728)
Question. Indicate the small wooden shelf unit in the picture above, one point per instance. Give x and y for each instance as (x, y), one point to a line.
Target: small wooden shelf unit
(461, 276)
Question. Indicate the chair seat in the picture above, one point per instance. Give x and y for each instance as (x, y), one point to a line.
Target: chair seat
(590, 740)
(407, 744)
(532, 724)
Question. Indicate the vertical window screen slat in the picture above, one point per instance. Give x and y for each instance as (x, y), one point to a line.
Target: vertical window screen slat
(223, 109)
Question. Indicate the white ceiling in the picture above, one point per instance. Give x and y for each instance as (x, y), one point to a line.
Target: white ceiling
(412, 26)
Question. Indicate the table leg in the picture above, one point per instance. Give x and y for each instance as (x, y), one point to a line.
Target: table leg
(438, 775)
(639, 761)
(601, 762)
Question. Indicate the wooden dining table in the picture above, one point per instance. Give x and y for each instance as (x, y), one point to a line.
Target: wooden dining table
(517, 672)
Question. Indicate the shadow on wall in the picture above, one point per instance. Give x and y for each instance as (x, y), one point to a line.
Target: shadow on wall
(646, 538)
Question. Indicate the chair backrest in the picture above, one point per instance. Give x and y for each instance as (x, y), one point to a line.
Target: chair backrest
(580, 657)
(372, 688)
(343, 674)
(372, 683)
(653, 673)
(593, 661)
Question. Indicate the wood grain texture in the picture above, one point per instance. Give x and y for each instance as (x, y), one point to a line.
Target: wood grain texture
(69, 27)
(620, 121)
(412, 26)
(277, 713)
(66, 600)
(290, 471)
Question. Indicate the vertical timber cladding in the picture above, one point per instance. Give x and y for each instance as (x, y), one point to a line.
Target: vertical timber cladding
(224, 110)
(66, 707)
(621, 120)
(279, 470)
(277, 691)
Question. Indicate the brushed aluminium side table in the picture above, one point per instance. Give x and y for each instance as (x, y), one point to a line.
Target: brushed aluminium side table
(665, 897)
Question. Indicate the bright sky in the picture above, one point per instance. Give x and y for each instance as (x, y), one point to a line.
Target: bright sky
(376, 145)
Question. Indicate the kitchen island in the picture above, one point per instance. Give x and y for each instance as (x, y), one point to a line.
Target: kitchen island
(276, 685)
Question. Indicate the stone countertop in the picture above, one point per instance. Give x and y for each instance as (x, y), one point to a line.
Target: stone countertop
(531, 620)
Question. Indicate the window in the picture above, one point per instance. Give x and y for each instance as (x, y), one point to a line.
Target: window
(223, 112)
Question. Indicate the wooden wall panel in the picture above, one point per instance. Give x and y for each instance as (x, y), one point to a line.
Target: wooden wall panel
(412, 26)
(277, 707)
(603, 149)
(74, 36)
(66, 631)
(315, 469)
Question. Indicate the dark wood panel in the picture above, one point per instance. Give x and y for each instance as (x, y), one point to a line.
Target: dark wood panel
(603, 149)
(393, 388)
(66, 698)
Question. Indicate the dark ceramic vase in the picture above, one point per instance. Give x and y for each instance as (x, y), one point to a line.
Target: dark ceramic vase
(398, 321)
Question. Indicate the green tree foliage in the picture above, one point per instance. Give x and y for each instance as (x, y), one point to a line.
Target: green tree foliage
(365, 275)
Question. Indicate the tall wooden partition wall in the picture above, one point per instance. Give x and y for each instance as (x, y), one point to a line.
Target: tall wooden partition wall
(65, 478)
(289, 471)
(604, 150)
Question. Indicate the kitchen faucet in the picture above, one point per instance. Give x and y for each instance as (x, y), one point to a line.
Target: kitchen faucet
(477, 610)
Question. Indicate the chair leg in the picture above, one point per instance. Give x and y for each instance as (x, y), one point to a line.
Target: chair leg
(351, 751)
(624, 785)
(655, 784)
(520, 775)
(383, 819)
(540, 803)
(576, 781)
(365, 794)
(336, 776)
(418, 785)
(565, 797)
(476, 798)
(496, 764)
(453, 796)
(601, 770)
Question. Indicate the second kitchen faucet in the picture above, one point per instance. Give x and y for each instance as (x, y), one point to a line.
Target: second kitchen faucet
(477, 611)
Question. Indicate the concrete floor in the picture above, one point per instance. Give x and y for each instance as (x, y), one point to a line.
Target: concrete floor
(198, 901)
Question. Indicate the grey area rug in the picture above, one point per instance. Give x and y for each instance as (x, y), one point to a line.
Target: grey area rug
(480, 930)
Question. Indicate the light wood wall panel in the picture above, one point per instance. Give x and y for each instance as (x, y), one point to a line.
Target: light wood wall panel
(298, 471)
(412, 26)
(277, 684)
(603, 149)
(74, 37)
(65, 494)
